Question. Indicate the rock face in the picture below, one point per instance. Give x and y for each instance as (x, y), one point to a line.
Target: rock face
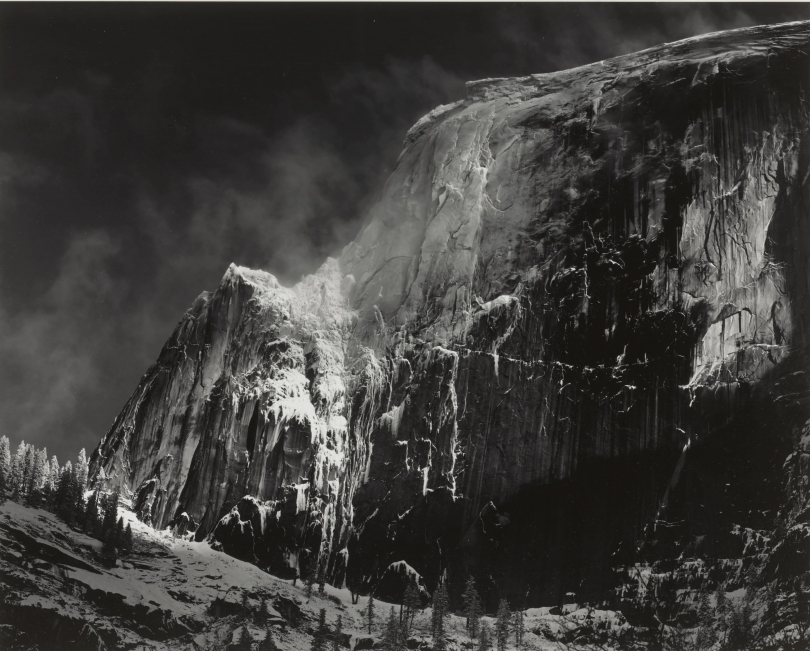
(578, 312)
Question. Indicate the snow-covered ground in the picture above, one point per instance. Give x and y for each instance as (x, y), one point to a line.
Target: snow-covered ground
(172, 594)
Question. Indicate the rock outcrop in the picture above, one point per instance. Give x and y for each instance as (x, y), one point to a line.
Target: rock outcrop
(572, 334)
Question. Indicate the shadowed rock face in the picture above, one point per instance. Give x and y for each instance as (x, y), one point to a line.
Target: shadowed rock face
(578, 291)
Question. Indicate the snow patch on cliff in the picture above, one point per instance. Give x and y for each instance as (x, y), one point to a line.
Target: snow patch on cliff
(301, 491)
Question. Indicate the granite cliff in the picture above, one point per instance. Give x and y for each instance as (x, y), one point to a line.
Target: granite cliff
(572, 337)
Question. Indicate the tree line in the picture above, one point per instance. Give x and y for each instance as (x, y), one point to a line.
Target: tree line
(326, 638)
(397, 630)
(31, 479)
(244, 641)
(508, 624)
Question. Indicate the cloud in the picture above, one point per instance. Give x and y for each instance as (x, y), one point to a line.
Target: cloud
(282, 214)
(285, 200)
(50, 352)
(122, 252)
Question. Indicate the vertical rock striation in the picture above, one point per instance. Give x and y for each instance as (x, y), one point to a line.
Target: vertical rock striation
(575, 289)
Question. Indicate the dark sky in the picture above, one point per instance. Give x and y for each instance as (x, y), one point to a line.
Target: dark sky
(143, 148)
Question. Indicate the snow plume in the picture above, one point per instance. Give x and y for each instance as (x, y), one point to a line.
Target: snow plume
(541, 39)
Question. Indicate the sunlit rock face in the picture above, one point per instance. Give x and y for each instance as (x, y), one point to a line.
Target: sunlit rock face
(247, 397)
(577, 290)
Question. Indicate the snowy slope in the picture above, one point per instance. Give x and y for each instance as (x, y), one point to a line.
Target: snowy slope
(174, 594)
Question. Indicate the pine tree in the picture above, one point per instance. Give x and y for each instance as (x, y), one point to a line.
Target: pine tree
(370, 612)
(41, 470)
(309, 579)
(741, 624)
(259, 617)
(56, 478)
(321, 579)
(337, 634)
(519, 626)
(16, 475)
(472, 608)
(37, 481)
(5, 468)
(412, 602)
(522, 626)
(127, 549)
(28, 473)
(76, 504)
(65, 505)
(53, 482)
(503, 624)
(244, 641)
(319, 641)
(77, 495)
(82, 470)
(109, 542)
(484, 637)
(110, 514)
(268, 644)
(441, 604)
(391, 636)
(91, 514)
(119, 535)
(354, 584)
(45, 491)
(721, 608)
